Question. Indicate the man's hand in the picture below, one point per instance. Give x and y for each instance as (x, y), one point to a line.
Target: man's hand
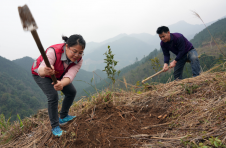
(173, 64)
(59, 86)
(48, 71)
(166, 67)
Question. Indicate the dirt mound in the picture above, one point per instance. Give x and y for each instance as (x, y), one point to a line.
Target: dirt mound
(177, 114)
(103, 124)
(106, 125)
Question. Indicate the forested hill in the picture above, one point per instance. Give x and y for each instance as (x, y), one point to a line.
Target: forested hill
(144, 68)
(25, 63)
(19, 94)
(209, 56)
(217, 29)
(80, 82)
(124, 71)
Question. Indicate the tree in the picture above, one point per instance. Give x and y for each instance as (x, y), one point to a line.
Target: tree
(111, 63)
(136, 60)
(155, 64)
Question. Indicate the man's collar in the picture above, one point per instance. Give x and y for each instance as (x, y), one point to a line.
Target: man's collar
(65, 58)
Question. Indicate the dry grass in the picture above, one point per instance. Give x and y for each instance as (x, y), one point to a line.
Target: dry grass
(200, 113)
(196, 110)
(199, 17)
(211, 50)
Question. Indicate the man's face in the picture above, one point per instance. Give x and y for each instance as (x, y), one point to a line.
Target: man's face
(165, 37)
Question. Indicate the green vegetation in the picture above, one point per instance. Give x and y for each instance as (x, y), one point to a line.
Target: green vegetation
(17, 98)
(111, 63)
(11, 130)
(209, 56)
(212, 142)
(145, 68)
(217, 29)
(19, 94)
(155, 63)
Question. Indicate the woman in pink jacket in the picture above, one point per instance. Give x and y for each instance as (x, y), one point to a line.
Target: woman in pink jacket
(66, 60)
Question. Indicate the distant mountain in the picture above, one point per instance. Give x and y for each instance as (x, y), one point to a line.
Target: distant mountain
(146, 42)
(90, 46)
(25, 63)
(126, 50)
(114, 38)
(142, 69)
(218, 31)
(85, 79)
(209, 53)
(93, 45)
(145, 37)
(188, 30)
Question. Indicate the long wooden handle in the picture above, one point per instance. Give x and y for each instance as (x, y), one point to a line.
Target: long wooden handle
(41, 49)
(153, 75)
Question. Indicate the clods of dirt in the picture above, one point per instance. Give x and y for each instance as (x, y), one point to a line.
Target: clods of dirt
(106, 125)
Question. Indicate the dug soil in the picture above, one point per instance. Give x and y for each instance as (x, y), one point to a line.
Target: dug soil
(106, 125)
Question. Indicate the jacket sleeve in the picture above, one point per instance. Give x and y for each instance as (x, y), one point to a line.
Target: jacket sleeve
(166, 54)
(71, 73)
(51, 57)
(181, 48)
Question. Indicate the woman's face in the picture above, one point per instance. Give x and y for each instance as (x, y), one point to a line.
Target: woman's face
(74, 53)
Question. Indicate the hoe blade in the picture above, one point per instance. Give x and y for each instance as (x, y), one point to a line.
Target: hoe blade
(27, 20)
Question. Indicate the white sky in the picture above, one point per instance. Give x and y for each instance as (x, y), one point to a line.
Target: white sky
(95, 20)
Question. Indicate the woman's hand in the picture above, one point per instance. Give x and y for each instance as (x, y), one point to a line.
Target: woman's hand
(48, 71)
(59, 86)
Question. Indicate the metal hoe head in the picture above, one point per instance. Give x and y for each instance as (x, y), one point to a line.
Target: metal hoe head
(27, 20)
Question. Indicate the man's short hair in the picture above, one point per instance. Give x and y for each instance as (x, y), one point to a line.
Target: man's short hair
(162, 29)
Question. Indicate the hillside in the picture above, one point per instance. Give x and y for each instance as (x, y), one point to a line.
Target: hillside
(94, 58)
(25, 63)
(135, 73)
(19, 94)
(93, 45)
(126, 50)
(218, 31)
(188, 30)
(209, 54)
(142, 69)
(124, 71)
(81, 81)
(187, 113)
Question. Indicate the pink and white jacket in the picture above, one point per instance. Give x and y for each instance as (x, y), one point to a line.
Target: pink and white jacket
(56, 55)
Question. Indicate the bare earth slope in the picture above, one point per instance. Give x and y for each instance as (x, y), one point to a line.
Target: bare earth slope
(191, 111)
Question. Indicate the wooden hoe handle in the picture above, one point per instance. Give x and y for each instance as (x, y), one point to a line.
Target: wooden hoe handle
(29, 24)
(41, 49)
(153, 75)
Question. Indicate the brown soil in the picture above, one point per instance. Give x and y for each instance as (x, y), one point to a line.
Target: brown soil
(110, 126)
(183, 113)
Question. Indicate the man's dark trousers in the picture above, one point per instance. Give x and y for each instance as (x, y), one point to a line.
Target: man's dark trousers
(192, 56)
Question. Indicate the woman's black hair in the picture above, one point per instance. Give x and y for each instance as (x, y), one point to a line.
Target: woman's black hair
(75, 39)
(162, 29)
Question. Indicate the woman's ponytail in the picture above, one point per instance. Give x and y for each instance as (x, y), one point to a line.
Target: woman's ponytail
(65, 38)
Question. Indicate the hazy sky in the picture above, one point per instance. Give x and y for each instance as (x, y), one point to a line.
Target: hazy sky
(95, 20)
